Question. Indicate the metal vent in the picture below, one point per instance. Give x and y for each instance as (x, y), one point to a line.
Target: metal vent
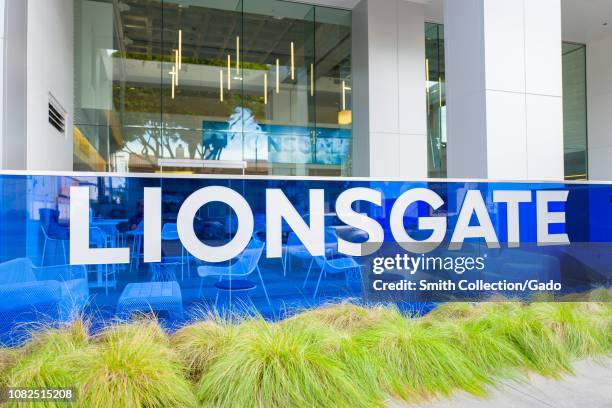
(57, 115)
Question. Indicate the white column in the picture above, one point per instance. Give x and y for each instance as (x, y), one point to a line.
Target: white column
(389, 128)
(504, 89)
(14, 84)
(599, 105)
(50, 70)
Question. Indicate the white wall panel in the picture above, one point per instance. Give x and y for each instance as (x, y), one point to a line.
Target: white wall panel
(384, 154)
(383, 66)
(544, 137)
(411, 68)
(504, 41)
(507, 138)
(599, 164)
(543, 47)
(412, 156)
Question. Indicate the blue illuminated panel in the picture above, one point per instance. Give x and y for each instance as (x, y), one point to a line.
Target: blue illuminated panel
(37, 282)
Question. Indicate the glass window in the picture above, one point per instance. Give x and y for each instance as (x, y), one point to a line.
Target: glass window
(264, 82)
(436, 100)
(575, 111)
(118, 58)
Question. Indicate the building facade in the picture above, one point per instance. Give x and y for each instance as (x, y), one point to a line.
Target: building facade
(486, 89)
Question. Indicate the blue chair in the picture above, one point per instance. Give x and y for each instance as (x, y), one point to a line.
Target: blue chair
(296, 249)
(332, 264)
(169, 232)
(164, 271)
(52, 231)
(237, 273)
(99, 239)
(136, 253)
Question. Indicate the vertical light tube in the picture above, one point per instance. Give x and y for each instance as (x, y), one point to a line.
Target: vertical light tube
(180, 48)
(343, 95)
(229, 72)
(238, 55)
(221, 85)
(172, 75)
(265, 88)
(277, 76)
(311, 79)
(176, 64)
(292, 61)
(440, 90)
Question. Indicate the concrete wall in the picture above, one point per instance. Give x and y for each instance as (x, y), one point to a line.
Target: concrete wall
(599, 108)
(390, 130)
(49, 71)
(504, 89)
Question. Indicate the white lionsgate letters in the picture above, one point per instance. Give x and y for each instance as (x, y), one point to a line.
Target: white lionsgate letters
(312, 233)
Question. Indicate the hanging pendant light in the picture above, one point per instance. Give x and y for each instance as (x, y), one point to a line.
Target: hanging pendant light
(292, 61)
(221, 85)
(277, 76)
(345, 117)
(173, 76)
(229, 72)
(265, 88)
(311, 79)
(238, 55)
(176, 67)
(180, 49)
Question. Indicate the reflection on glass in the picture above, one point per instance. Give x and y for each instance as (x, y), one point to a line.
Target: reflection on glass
(267, 82)
(574, 111)
(436, 100)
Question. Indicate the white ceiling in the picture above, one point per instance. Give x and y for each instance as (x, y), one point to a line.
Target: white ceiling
(582, 20)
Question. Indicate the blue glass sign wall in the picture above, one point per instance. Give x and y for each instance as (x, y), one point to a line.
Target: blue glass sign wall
(300, 244)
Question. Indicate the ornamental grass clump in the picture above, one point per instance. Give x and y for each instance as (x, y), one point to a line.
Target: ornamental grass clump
(579, 329)
(282, 365)
(132, 365)
(543, 351)
(8, 358)
(345, 316)
(453, 311)
(344, 321)
(600, 295)
(201, 343)
(493, 354)
(606, 323)
(47, 360)
(417, 360)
